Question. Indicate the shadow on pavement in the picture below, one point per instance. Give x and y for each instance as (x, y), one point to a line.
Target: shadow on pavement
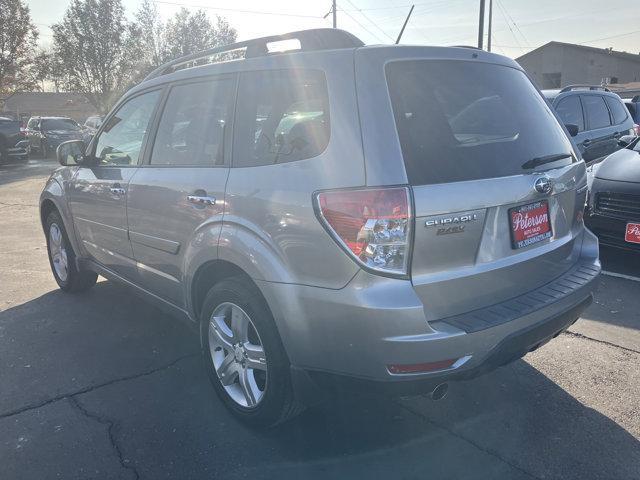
(166, 421)
(18, 170)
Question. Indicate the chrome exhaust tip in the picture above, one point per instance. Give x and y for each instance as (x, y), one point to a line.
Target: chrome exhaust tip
(439, 392)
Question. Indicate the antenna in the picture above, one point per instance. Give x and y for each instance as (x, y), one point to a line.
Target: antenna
(404, 25)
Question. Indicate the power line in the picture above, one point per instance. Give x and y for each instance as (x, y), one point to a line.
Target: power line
(504, 9)
(237, 10)
(361, 25)
(372, 22)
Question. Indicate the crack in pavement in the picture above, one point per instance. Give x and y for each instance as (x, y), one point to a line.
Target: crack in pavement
(91, 388)
(111, 425)
(604, 342)
(486, 450)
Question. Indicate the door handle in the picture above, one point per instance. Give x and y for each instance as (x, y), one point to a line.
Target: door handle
(201, 200)
(586, 142)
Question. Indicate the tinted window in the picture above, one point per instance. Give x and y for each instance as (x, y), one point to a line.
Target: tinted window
(596, 111)
(618, 111)
(59, 124)
(192, 127)
(121, 139)
(569, 110)
(462, 121)
(283, 116)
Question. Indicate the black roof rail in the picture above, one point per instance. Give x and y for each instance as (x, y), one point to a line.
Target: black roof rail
(310, 40)
(467, 46)
(569, 88)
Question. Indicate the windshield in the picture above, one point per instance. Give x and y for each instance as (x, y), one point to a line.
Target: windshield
(59, 124)
(463, 120)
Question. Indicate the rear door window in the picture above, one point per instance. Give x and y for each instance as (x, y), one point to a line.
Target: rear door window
(618, 111)
(461, 121)
(596, 111)
(283, 116)
(569, 110)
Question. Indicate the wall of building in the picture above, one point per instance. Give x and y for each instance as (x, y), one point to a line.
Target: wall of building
(577, 65)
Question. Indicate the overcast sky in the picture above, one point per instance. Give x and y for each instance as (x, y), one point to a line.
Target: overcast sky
(519, 25)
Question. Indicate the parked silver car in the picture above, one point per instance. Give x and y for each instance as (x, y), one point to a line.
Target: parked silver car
(384, 218)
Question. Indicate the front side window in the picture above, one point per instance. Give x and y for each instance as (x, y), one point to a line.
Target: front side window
(283, 116)
(193, 124)
(570, 111)
(596, 111)
(120, 142)
(618, 111)
(33, 124)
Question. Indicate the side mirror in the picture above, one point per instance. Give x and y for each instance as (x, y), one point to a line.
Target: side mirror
(626, 140)
(572, 128)
(71, 152)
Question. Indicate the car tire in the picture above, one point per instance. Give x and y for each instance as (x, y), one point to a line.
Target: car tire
(62, 258)
(270, 389)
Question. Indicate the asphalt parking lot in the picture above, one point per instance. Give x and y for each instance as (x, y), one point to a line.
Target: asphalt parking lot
(104, 385)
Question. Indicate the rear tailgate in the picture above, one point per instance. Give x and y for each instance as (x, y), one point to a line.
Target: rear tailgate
(464, 123)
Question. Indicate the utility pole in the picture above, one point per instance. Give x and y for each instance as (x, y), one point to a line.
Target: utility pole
(335, 15)
(490, 22)
(481, 25)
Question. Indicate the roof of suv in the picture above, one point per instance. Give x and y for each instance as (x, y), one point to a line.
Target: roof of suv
(552, 94)
(327, 41)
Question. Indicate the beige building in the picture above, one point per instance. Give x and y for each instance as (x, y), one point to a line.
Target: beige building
(557, 65)
(21, 106)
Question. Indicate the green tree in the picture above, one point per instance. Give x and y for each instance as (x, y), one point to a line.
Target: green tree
(151, 35)
(98, 49)
(18, 37)
(188, 33)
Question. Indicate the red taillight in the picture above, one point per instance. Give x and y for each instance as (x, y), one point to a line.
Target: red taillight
(372, 224)
(636, 129)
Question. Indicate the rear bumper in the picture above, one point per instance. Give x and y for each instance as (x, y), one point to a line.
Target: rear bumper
(509, 349)
(354, 333)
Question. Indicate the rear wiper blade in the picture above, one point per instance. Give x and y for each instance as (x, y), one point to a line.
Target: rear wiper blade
(534, 162)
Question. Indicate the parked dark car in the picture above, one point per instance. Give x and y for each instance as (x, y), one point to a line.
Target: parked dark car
(613, 209)
(633, 105)
(46, 133)
(599, 115)
(13, 142)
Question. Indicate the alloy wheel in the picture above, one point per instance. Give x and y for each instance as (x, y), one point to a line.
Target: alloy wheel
(238, 354)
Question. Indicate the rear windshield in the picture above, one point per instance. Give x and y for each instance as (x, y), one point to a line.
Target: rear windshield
(459, 120)
(59, 124)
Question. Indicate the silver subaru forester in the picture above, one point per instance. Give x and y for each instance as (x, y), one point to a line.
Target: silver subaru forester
(333, 216)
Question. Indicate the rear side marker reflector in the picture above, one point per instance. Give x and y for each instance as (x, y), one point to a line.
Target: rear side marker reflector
(422, 367)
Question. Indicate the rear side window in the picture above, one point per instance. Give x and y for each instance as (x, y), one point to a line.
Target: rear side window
(618, 111)
(461, 121)
(596, 111)
(192, 129)
(569, 110)
(283, 116)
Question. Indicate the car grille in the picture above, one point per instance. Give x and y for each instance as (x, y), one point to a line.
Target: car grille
(620, 205)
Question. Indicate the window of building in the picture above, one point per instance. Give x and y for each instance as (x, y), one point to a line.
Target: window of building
(551, 80)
